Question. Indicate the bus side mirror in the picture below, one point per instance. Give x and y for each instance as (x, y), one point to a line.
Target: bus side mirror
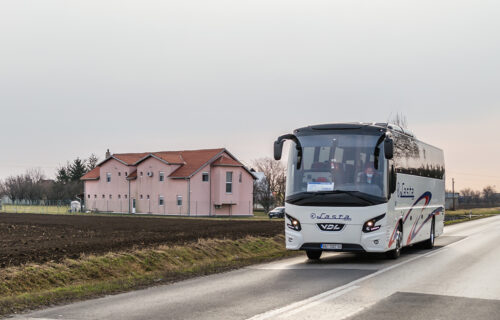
(389, 148)
(278, 149)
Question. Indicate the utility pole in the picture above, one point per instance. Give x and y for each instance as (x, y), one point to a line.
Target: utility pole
(453, 192)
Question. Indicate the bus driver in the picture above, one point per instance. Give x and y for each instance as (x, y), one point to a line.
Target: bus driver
(369, 176)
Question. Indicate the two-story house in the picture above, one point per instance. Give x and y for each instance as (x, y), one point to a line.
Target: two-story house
(192, 182)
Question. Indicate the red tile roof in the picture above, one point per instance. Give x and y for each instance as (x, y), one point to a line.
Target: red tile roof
(92, 174)
(227, 162)
(190, 160)
(194, 160)
(130, 158)
(172, 157)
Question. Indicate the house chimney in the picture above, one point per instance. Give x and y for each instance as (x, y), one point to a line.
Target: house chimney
(108, 154)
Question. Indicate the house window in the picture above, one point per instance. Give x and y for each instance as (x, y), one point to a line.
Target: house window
(125, 196)
(95, 196)
(204, 176)
(229, 182)
(108, 176)
(147, 196)
(179, 200)
(126, 174)
(119, 174)
(240, 177)
(119, 196)
(110, 196)
(141, 173)
(104, 196)
(141, 197)
(161, 201)
(161, 176)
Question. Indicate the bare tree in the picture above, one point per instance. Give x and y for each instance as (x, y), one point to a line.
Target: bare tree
(476, 196)
(2, 189)
(27, 186)
(489, 194)
(272, 190)
(92, 162)
(468, 195)
(263, 194)
(399, 119)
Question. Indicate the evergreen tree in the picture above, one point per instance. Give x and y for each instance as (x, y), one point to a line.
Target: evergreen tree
(77, 169)
(62, 175)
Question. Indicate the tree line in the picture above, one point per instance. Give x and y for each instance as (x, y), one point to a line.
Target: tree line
(486, 197)
(34, 184)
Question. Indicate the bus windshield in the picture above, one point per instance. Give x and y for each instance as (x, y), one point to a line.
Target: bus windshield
(336, 170)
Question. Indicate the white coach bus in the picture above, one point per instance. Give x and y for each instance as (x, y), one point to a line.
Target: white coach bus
(361, 187)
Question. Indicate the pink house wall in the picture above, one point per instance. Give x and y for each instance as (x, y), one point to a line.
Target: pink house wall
(242, 192)
(201, 200)
(169, 189)
(109, 196)
(200, 193)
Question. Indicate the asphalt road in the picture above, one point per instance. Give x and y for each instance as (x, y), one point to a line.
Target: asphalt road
(459, 279)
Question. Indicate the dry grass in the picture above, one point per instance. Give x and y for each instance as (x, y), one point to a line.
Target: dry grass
(35, 285)
(464, 215)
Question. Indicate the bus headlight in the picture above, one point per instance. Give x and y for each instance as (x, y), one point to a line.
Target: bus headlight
(293, 223)
(371, 225)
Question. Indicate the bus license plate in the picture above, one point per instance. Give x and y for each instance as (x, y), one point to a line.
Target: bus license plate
(333, 246)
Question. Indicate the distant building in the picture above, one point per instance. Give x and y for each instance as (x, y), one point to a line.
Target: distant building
(191, 182)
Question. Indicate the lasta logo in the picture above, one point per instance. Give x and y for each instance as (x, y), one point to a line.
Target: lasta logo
(405, 191)
(325, 216)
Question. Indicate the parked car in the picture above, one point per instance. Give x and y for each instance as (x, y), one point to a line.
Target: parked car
(278, 212)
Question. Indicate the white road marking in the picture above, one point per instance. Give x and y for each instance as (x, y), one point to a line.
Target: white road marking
(337, 292)
(433, 253)
(315, 303)
(304, 304)
(327, 295)
(38, 318)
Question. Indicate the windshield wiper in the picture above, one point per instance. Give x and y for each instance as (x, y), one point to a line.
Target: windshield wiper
(367, 199)
(357, 194)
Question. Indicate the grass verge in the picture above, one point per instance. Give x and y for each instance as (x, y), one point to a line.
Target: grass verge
(34, 285)
(463, 215)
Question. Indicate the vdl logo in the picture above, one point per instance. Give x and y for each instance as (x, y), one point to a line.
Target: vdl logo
(405, 192)
(325, 216)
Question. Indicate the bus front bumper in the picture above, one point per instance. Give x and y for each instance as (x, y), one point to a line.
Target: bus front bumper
(351, 239)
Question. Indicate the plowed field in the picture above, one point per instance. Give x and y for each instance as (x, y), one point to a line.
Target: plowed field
(41, 238)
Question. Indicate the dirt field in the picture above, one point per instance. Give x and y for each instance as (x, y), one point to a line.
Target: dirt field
(41, 238)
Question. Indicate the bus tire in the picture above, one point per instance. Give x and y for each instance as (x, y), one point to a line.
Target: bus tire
(313, 254)
(429, 243)
(394, 254)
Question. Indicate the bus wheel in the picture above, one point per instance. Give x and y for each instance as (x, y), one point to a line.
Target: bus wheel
(429, 243)
(314, 254)
(394, 254)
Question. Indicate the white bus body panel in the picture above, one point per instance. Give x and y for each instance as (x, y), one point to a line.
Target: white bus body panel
(415, 203)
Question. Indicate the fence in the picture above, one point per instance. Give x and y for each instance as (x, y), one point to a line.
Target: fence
(180, 207)
(142, 206)
(36, 206)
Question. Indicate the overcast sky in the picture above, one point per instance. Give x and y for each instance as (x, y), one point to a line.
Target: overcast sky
(78, 77)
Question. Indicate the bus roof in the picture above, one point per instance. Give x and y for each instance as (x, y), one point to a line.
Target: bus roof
(360, 126)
